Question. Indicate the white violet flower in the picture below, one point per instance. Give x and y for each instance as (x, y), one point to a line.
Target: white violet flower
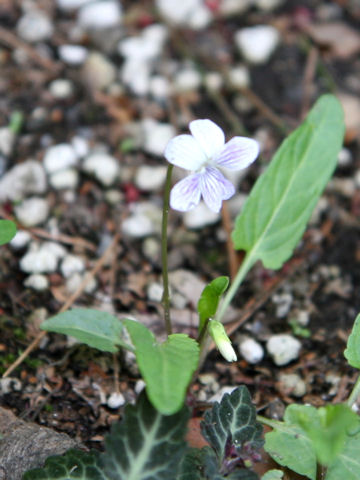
(203, 153)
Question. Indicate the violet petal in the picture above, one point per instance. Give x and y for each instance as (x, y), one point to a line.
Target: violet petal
(238, 153)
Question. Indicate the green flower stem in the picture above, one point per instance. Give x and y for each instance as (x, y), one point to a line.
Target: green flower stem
(354, 394)
(164, 252)
(243, 270)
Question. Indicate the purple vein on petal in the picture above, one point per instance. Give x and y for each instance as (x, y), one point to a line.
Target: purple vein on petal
(238, 153)
(185, 195)
(215, 188)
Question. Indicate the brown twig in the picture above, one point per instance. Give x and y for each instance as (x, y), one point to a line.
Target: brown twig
(232, 257)
(98, 265)
(309, 74)
(260, 105)
(11, 40)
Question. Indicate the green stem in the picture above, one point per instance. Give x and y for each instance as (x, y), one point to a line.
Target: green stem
(354, 394)
(164, 252)
(243, 270)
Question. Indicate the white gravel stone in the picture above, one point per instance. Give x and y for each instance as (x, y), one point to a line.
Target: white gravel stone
(104, 167)
(37, 282)
(55, 249)
(187, 80)
(213, 81)
(21, 240)
(139, 386)
(116, 400)
(32, 211)
(35, 26)
(9, 385)
(71, 264)
(251, 350)
(136, 76)
(137, 226)
(80, 145)
(64, 179)
(73, 55)
(59, 157)
(99, 15)
(234, 7)
(61, 88)
(239, 77)
(98, 71)
(283, 302)
(292, 384)
(219, 395)
(155, 292)
(191, 13)
(28, 178)
(7, 140)
(159, 87)
(344, 157)
(283, 348)
(150, 179)
(156, 136)
(39, 261)
(257, 43)
(76, 279)
(144, 220)
(200, 217)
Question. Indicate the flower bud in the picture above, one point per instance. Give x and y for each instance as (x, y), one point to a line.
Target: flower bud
(222, 341)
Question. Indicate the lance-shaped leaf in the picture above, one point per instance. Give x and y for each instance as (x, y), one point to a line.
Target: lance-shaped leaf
(95, 328)
(7, 231)
(275, 215)
(167, 368)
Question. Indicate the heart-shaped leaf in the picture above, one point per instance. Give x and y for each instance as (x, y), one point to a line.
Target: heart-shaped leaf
(352, 352)
(167, 368)
(7, 231)
(95, 328)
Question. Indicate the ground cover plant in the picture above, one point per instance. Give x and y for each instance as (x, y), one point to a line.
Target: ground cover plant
(103, 296)
(268, 228)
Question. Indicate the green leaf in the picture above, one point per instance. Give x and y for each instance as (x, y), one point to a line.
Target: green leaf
(204, 465)
(75, 464)
(290, 447)
(347, 465)
(326, 427)
(209, 299)
(233, 421)
(7, 231)
(93, 327)
(144, 446)
(167, 368)
(273, 475)
(352, 352)
(274, 216)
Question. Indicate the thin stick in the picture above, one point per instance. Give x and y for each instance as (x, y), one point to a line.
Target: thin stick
(164, 252)
(67, 304)
(309, 73)
(10, 39)
(232, 257)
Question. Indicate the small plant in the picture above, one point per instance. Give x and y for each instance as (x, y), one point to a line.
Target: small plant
(149, 443)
